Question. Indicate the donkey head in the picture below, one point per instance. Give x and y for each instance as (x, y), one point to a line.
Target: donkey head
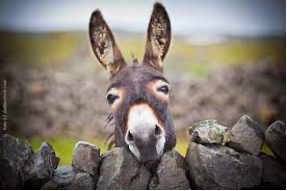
(138, 94)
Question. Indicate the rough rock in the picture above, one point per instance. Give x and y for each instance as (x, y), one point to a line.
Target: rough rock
(14, 153)
(219, 167)
(208, 131)
(9, 179)
(15, 150)
(40, 167)
(120, 170)
(63, 176)
(246, 136)
(86, 158)
(82, 181)
(273, 173)
(171, 173)
(275, 137)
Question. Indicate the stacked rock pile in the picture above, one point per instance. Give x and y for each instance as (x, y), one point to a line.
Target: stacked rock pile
(217, 158)
(222, 158)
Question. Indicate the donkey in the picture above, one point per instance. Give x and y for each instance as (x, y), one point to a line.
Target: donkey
(138, 94)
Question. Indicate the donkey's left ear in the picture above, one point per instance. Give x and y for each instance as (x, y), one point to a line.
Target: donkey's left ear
(158, 37)
(104, 45)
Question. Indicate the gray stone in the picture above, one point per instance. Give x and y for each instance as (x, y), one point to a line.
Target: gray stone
(14, 154)
(40, 167)
(63, 176)
(219, 167)
(9, 178)
(246, 136)
(209, 132)
(16, 151)
(273, 174)
(86, 158)
(171, 173)
(275, 137)
(82, 181)
(120, 170)
(52, 185)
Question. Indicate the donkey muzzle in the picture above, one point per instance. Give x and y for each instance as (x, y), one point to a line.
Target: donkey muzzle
(144, 137)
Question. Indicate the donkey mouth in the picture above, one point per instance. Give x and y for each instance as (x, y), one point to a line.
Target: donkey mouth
(147, 150)
(147, 155)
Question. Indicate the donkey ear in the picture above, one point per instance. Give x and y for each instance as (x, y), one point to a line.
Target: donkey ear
(158, 37)
(104, 45)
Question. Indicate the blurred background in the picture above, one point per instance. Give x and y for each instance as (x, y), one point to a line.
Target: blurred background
(227, 59)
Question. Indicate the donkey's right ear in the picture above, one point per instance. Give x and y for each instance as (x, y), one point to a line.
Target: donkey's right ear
(104, 45)
(158, 37)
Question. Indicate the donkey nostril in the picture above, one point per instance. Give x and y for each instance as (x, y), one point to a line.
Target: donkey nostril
(157, 130)
(130, 136)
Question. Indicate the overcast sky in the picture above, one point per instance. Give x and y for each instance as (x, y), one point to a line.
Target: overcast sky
(232, 17)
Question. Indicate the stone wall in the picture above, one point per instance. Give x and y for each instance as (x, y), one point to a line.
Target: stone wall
(216, 158)
(47, 101)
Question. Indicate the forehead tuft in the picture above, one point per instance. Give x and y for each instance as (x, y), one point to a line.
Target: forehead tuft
(137, 73)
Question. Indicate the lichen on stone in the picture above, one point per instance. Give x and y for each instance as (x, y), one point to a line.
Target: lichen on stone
(209, 131)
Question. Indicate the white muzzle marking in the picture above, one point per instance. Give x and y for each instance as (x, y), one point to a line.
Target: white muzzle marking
(141, 123)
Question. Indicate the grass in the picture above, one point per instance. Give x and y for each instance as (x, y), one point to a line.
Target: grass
(56, 48)
(64, 147)
(265, 149)
(197, 60)
(38, 49)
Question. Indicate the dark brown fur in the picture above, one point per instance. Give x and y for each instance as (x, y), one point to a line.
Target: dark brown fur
(134, 79)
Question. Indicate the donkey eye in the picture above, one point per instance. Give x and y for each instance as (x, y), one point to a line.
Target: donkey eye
(112, 98)
(164, 89)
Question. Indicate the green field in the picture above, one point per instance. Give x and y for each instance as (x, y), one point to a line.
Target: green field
(58, 49)
(64, 147)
